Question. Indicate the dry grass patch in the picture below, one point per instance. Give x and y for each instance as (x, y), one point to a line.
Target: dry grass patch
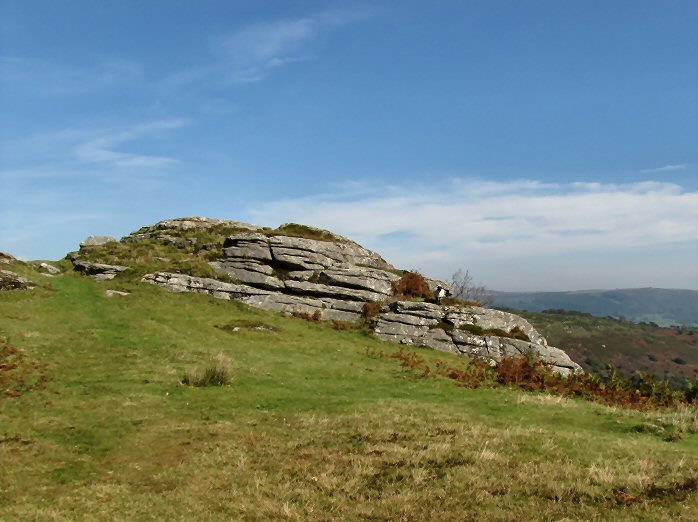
(217, 371)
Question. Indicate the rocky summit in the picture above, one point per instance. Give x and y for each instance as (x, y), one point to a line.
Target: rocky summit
(306, 271)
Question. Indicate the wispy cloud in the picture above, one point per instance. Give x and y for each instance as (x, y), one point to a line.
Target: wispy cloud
(667, 168)
(20, 74)
(251, 53)
(496, 221)
(101, 149)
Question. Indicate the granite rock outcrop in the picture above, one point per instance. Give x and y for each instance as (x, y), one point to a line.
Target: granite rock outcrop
(303, 270)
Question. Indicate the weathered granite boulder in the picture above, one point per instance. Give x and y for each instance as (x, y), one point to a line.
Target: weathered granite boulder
(165, 229)
(310, 254)
(93, 241)
(49, 269)
(100, 271)
(445, 328)
(202, 285)
(7, 258)
(250, 272)
(361, 278)
(11, 281)
(308, 267)
(112, 293)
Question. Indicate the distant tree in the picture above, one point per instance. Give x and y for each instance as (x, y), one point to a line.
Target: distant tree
(465, 288)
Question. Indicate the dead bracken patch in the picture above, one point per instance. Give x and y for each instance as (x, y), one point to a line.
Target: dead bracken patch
(532, 374)
(412, 284)
(18, 374)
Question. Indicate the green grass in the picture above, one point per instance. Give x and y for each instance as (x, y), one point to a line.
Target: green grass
(304, 231)
(309, 427)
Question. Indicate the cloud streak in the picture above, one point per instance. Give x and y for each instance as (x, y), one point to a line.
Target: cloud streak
(102, 148)
(22, 75)
(666, 168)
(252, 53)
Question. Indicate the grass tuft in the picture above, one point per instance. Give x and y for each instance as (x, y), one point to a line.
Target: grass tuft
(217, 372)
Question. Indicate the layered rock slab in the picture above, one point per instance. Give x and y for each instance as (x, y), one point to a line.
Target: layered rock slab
(440, 328)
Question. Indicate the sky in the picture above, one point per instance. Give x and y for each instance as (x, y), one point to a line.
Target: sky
(540, 145)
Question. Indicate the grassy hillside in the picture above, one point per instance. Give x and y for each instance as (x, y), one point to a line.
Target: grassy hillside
(310, 427)
(664, 307)
(595, 342)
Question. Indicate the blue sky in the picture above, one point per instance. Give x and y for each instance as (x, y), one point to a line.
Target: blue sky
(543, 145)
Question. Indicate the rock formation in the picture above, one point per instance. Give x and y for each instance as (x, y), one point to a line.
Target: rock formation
(100, 271)
(298, 269)
(93, 241)
(11, 281)
(7, 258)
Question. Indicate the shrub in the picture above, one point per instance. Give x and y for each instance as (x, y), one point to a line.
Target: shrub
(532, 374)
(370, 309)
(216, 372)
(313, 318)
(412, 284)
(341, 325)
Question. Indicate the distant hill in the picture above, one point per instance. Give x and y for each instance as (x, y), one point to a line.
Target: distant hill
(596, 342)
(664, 307)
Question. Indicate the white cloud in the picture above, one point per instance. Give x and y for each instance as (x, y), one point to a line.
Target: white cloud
(251, 53)
(34, 76)
(101, 148)
(666, 168)
(484, 220)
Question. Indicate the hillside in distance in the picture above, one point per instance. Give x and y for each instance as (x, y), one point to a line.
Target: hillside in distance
(595, 342)
(664, 307)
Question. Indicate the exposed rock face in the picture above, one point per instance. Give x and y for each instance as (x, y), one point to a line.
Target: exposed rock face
(99, 271)
(11, 281)
(202, 285)
(163, 230)
(329, 277)
(442, 328)
(306, 267)
(92, 241)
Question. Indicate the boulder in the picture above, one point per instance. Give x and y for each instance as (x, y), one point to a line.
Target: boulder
(203, 285)
(337, 292)
(100, 271)
(11, 281)
(112, 293)
(310, 254)
(437, 327)
(7, 258)
(362, 278)
(248, 246)
(50, 269)
(93, 241)
(165, 228)
(250, 272)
